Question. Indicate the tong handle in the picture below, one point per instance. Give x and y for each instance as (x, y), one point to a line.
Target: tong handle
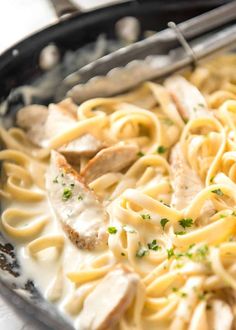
(161, 42)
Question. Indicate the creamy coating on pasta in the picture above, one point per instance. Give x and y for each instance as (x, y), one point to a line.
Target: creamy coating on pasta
(159, 178)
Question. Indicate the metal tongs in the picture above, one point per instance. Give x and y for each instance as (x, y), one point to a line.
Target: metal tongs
(156, 56)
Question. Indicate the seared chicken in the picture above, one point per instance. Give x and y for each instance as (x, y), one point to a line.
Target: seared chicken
(86, 146)
(104, 307)
(190, 102)
(186, 183)
(79, 210)
(42, 124)
(112, 159)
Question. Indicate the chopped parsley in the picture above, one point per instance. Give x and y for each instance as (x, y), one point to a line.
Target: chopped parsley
(212, 178)
(167, 121)
(170, 253)
(123, 254)
(153, 245)
(55, 180)
(180, 232)
(183, 294)
(72, 185)
(201, 105)
(186, 223)
(67, 193)
(146, 216)
(142, 251)
(218, 192)
(80, 198)
(140, 154)
(233, 213)
(201, 253)
(112, 230)
(161, 150)
(129, 229)
(164, 222)
(223, 216)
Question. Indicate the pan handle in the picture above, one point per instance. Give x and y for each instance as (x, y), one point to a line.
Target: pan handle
(64, 8)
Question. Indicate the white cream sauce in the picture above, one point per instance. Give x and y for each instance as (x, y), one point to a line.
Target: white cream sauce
(45, 268)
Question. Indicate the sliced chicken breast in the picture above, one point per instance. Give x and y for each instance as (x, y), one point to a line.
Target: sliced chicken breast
(112, 159)
(86, 146)
(42, 123)
(104, 307)
(32, 119)
(190, 102)
(79, 210)
(220, 315)
(185, 181)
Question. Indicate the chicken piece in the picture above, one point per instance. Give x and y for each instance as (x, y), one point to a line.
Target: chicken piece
(112, 159)
(220, 315)
(104, 307)
(80, 212)
(86, 145)
(41, 124)
(190, 102)
(32, 118)
(186, 183)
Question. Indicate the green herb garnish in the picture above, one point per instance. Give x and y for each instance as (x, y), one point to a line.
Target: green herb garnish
(164, 222)
(218, 192)
(112, 230)
(180, 232)
(129, 229)
(170, 253)
(142, 251)
(67, 193)
(140, 154)
(80, 198)
(161, 150)
(153, 245)
(146, 216)
(55, 180)
(186, 223)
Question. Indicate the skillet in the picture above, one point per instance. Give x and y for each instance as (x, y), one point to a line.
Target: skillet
(19, 65)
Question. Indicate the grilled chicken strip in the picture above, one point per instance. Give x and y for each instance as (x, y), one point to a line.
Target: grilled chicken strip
(186, 183)
(42, 123)
(220, 315)
(86, 145)
(76, 206)
(112, 159)
(190, 102)
(104, 307)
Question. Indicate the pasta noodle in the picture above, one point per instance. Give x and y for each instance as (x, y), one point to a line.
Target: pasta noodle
(171, 220)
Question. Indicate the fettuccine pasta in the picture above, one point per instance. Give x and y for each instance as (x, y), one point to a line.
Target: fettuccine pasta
(159, 165)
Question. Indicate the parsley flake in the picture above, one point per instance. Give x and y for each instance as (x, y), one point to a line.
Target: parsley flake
(146, 216)
(80, 198)
(123, 254)
(153, 245)
(164, 222)
(140, 154)
(142, 251)
(129, 229)
(180, 232)
(186, 223)
(55, 180)
(218, 192)
(67, 193)
(112, 230)
(170, 253)
(161, 150)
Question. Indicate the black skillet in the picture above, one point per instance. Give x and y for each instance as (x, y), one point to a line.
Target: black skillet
(21, 67)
